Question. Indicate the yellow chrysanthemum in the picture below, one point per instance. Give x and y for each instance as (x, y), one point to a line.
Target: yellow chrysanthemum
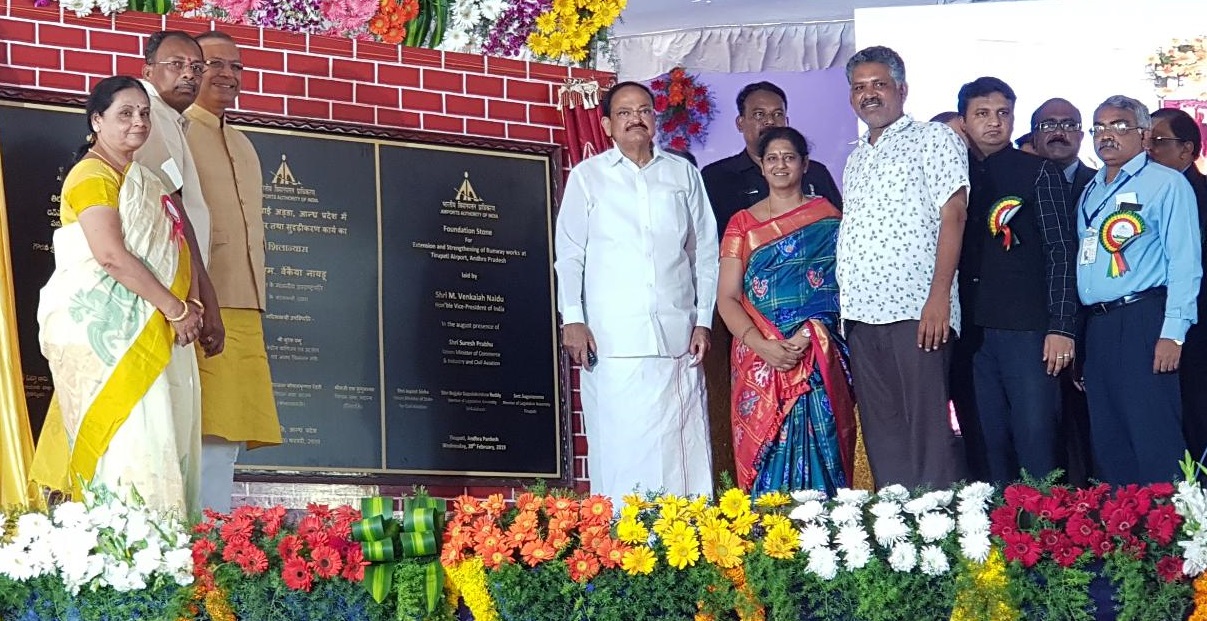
(772, 520)
(582, 38)
(671, 499)
(696, 507)
(630, 511)
(672, 511)
(712, 513)
(744, 522)
(632, 531)
(639, 560)
(680, 531)
(680, 554)
(634, 500)
(546, 22)
(538, 43)
(781, 542)
(734, 502)
(771, 500)
(723, 549)
(557, 43)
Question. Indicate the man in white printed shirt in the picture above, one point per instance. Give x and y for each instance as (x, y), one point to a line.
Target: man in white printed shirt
(636, 266)
(903, 222)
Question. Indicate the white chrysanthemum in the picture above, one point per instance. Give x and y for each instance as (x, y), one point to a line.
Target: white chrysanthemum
(904, 557)
(857, 558)
(920, 505)
(935, 525)
(885, 508)
(823, 562)
(809, 511)
(41, 555)
(81, 7)
(940, 498)
(933, 562)
(455, 40)
(491, 9)
(973, 522)
(978, 491)
(890, 530)
(894, 492)
(848, 496)
(975, 546)
(814, 537)
(465, 15)
(808, 495)
(70, 514)
(843, 515)
(16, 564)
(109, 7)
(148, 561)
(853, 544)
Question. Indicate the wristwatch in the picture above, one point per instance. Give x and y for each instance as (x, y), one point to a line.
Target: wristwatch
(1177, 342)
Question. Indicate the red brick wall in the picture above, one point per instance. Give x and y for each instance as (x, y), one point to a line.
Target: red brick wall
(314, 77)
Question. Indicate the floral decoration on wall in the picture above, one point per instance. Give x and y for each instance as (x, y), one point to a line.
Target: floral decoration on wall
(558, 31)
(1180, 65)
(685, 108)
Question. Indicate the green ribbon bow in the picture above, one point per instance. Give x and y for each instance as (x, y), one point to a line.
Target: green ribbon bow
(161, 7)
(385, 541)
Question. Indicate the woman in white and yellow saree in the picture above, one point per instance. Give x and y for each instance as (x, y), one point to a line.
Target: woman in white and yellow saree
(118, 319)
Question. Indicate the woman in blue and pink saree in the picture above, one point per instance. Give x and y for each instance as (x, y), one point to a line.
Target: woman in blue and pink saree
(793, 410)
(117, 318)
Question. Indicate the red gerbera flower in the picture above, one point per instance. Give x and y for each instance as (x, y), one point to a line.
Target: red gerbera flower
(679, 143)
(237, 528)
(354, 565)
(1003, 520)
(1170, 568)
(289, 547)
(1022, 496)
(321, 512)
(1161, 490)
(296, 574)
(1162, 524)
(253, 561)
(1022, 547)
(326, 562)
(272, 520)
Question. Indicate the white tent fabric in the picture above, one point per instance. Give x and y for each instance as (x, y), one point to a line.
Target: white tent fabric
(738, 36)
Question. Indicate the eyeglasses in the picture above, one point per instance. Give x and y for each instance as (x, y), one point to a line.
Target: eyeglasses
(1118, 127)
(626, 113)
(197, 68)
(1159, 139)
(217, 64)
(1047, 127)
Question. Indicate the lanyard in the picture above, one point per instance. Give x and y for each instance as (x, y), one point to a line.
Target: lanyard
(1089, 218)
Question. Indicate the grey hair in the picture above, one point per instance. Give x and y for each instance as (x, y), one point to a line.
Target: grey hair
(882, 55)
(1143, 119)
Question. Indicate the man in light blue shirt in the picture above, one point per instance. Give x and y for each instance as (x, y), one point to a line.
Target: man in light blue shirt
(1138, 274)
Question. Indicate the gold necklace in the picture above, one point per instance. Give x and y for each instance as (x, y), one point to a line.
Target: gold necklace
(120, 169)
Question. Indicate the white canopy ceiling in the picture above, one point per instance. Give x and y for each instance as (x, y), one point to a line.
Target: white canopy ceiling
(737, 36)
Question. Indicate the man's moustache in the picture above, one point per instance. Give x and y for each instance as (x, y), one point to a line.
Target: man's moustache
(637, 124)
(1059, 141)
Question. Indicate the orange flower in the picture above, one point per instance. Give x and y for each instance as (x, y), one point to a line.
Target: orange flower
(611, 552)
(591, 536)
(528, 502)
(583, 565)
(596, 510)
(555, 504)
(465, 503)
(496, 557)
(487, 539)
(494, 504)
(558, 540)
(537, 552)
(450, 556)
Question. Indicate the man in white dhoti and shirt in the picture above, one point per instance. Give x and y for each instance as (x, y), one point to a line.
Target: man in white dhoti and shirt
(636, 266)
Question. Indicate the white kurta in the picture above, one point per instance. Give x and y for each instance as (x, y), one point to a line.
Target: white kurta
(637, 262)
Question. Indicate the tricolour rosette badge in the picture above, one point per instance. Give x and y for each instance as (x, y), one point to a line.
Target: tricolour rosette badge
(1118, 230)
(999, 218)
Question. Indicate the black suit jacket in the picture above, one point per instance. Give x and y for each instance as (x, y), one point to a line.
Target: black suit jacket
(1199, 183)
(736, 182)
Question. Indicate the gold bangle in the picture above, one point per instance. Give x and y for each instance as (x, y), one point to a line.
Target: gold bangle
(744, 333)
(183, 314)
(200, 306)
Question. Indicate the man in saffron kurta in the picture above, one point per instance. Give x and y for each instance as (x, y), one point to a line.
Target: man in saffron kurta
(637, 269)
(237, 401)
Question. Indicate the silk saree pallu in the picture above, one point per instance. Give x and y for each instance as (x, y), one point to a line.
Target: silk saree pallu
(792, 429)
(129, 398)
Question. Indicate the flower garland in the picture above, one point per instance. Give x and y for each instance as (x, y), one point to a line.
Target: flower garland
(569, 27)
(1184, 62)
(685, 108)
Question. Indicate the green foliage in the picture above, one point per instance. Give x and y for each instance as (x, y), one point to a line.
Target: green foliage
(266, 598)
(1050, 592)
(48, 599)
(1143, 596)
(410, 603)
(541, 593)
(667, 593)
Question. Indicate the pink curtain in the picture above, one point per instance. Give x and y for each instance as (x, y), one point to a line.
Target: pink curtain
(578, 102)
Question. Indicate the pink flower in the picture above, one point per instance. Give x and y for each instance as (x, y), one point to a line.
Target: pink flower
(346, 15)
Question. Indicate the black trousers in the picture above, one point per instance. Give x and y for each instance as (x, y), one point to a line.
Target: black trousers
(903, 405)
(1193, 374)
(1135, 414)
